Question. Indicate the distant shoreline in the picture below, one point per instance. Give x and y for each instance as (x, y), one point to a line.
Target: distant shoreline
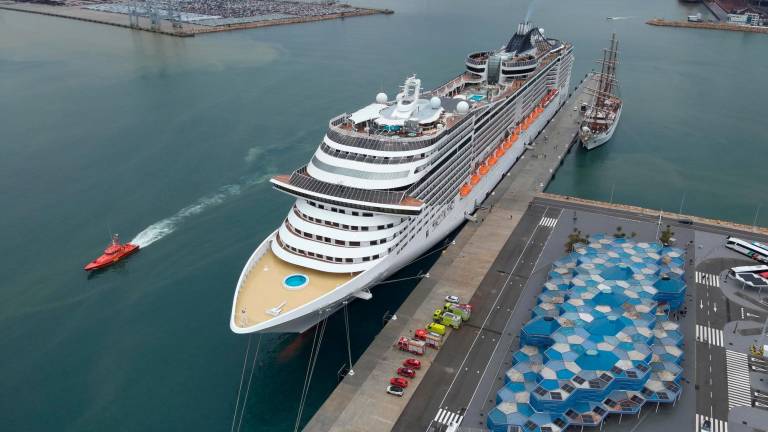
(166, 27)
(707, 25)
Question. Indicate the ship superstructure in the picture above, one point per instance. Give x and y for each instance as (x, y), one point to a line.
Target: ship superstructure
(393, 178)
(602, 116)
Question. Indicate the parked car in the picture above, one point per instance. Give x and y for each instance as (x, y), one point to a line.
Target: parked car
(408, 373)
(412, 363)
(395, 390)
(399, 381)
(452, 299)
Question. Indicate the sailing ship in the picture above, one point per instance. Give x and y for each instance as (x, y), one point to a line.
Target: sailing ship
(603, 113)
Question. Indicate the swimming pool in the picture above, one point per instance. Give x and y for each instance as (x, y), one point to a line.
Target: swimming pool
(476, 98)
(295, 281)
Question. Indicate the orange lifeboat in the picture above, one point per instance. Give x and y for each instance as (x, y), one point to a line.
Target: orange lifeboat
(484, 169)
(499, 152)
(507, 144)
(475, 179)
(465, 190)
(492, 160)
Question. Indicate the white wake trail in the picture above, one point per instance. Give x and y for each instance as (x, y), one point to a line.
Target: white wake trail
(162, 228)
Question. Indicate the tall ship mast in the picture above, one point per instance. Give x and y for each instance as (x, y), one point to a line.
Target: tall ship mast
(603, 113)
(392, 179)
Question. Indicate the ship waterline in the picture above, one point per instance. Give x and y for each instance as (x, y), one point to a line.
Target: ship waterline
(392, 179)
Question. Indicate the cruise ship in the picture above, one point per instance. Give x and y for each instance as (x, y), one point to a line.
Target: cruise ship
(392, 179)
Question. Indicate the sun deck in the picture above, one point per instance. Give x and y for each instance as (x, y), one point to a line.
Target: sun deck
(263, 294)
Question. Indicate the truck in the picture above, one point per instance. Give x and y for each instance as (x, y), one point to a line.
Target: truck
(446, 318)
(411, 345)
(433, 340)
(459, 309)
(436, 328)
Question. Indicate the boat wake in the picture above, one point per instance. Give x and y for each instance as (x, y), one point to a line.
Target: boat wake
(162, 228)
(620, 18)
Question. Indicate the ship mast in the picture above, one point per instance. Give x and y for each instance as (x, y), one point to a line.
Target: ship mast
(607, 79)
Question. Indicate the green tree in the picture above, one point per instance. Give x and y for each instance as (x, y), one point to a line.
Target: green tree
(575, 238)
(666, 236)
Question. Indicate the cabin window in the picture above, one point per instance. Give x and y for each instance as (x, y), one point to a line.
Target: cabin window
(354, 243)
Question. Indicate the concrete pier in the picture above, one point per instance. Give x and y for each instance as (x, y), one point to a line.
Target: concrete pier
(360, 403)
(166, 27)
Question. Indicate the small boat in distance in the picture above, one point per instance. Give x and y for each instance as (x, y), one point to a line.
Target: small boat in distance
(112, 254)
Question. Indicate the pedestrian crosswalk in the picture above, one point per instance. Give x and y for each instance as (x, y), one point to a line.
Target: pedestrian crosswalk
(548, 222)
(448, 418)
(739, 389)
(715, 425)
(708, 279)
(709, 335)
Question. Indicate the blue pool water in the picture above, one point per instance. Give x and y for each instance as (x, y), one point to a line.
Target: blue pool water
(476, 98)
(295, 281)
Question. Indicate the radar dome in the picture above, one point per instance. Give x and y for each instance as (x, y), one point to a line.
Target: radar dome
(462, 107)
(434, 103)
(381, 98)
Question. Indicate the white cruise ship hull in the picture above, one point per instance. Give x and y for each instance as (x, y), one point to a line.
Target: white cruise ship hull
(308, 315)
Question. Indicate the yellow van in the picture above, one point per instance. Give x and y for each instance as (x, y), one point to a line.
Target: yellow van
(436, 328)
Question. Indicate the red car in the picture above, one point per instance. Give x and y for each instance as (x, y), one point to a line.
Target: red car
(398, 381)
(408, 373)
(412, 363)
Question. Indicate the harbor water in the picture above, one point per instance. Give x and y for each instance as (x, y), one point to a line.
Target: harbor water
(171, 141)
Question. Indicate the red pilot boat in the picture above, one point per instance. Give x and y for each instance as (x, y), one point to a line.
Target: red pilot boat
(112, 254)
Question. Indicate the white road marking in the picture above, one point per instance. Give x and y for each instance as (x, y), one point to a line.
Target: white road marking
(448, 418)
(739, 388)
(548, 222)
(716, 424)
(708, 279)
(710, 335)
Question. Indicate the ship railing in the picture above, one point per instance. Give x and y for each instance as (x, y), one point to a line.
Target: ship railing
(384, 201)
(518, 63)
(383, 143)
(378, 160)
(478, 59)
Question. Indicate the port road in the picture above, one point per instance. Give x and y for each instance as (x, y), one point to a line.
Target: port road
(452, 381)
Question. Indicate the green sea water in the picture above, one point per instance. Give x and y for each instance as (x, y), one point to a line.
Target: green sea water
(107, 130)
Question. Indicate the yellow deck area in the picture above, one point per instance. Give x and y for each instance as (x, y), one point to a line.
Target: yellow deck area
(263, 289)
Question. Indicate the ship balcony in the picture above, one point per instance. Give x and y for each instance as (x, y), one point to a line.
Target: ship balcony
(340, 132)
(519, 65)
(478, 58)
(302, 185)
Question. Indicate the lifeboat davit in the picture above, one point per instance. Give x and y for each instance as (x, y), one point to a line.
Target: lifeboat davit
(475, 179)
(112, 254)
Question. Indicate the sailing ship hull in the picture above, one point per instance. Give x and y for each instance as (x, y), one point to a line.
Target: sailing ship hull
(591, 141)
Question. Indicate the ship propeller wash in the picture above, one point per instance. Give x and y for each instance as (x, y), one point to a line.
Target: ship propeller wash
(602, 115)
(391, 180)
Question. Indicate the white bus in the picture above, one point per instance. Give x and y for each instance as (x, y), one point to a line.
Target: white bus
(746, 248)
